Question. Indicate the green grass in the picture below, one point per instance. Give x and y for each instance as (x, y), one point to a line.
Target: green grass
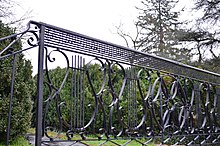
(97, 142)
(94, 142)
(20, 141)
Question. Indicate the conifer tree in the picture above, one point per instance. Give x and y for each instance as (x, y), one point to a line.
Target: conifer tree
(160, 26)
(23, 88)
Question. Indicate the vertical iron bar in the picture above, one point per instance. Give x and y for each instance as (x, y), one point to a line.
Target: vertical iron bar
(132, 96)
(161, 104)
(71, 96)
(161, 113)
(197, 104)
(218, 101)
(129, 108)
(81, 99)
(83, 91)
(187, 102)
(135, 101)
(11, 96)
(75, 108)
(78, 93)
(38, 135)
(132, 93)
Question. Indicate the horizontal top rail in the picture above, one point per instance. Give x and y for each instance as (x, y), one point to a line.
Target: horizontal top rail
(79, 43)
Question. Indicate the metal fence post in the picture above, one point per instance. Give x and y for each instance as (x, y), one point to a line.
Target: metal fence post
(11, 96)
(198, 111)
(39, 109)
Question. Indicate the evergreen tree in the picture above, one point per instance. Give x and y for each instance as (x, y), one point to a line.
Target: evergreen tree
(160, 26)
(23, 88)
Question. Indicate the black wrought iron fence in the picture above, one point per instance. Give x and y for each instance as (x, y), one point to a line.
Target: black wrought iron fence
(108, 92)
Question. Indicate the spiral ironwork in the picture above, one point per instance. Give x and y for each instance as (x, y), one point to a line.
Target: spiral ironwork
(10, 54)
(112, 93)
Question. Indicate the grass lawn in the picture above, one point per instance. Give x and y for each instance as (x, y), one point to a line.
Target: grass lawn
(97, 142)
(20, 141)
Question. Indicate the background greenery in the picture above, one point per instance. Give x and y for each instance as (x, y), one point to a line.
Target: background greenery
(160, 31)
(24, 88)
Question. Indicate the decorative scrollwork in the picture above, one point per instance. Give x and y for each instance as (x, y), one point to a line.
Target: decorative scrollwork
(123, 93)
(33, 39)
(30, 35)
(177, 109)
(53, 100)
(116, 92)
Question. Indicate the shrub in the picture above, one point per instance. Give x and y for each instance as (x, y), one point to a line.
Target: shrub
(23, 89)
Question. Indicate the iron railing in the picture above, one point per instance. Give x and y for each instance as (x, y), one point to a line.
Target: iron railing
(116, 93)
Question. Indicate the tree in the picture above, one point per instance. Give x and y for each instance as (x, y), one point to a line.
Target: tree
(157, 30)
(204, 35)
(160, 24)
(23, 88)
(210, 9)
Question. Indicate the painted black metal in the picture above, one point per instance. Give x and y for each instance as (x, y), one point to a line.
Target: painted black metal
(133, 96)
(40, 78)
(11, 97)
(60, 38)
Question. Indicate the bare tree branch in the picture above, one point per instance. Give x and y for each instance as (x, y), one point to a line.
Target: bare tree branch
(127, 37)
(8, 15)
(213, 54)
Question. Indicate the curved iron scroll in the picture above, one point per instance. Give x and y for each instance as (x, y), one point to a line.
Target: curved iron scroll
(131, 94)
(112, 92)
(135, 102)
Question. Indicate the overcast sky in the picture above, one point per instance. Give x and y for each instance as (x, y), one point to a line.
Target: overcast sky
(95, 18)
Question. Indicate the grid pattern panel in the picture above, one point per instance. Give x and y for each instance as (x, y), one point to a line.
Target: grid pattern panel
(71, 41)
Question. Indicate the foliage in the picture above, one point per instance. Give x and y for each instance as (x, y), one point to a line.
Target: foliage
(71, 108)
(210, 64)
(161, 31)
(160, 26)
(183, 97)
(157, 21)
(210, 9)
(23, 89)
(158, 29)
(56, 76)
(204, 35)
(97, 78)
(19, 141)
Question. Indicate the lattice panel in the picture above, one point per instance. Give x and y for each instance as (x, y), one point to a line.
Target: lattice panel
(64, 39)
